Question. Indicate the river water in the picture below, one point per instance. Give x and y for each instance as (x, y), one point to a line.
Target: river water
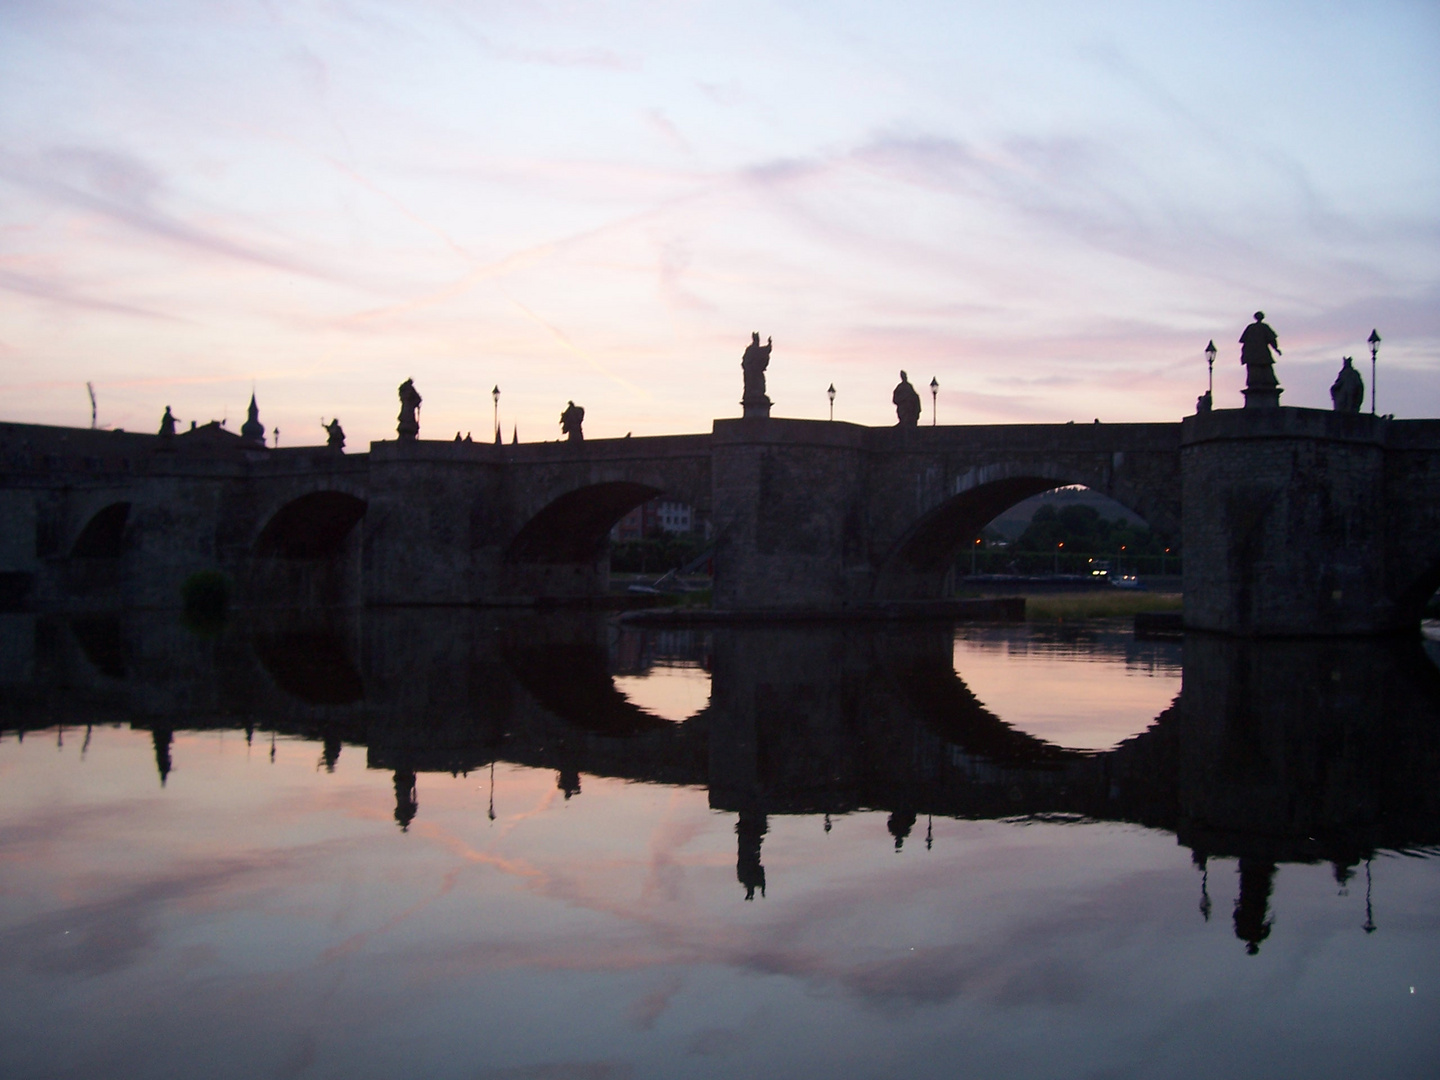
(485, 845)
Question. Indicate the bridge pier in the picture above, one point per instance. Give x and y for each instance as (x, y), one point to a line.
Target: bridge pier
(1284, 523)
(789, 498)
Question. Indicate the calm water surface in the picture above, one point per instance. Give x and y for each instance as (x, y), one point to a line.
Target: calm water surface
(455, 845)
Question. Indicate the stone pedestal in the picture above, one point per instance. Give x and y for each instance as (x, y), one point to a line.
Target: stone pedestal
(1283, 523)
(756, 409)
(1266, 398)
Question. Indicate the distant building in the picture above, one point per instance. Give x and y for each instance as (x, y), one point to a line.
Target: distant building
(645, 519)
(674, 517)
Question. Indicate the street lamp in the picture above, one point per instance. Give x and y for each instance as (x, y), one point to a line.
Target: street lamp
(1058, 546)
(1374, 345)
(974, 549)
(495, 397)
(934, 390)
(1210, 361)
(831, 395)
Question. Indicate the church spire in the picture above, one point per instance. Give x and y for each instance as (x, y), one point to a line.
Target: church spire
(253, 430)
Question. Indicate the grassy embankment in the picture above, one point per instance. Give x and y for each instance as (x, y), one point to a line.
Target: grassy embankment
(1096, 604)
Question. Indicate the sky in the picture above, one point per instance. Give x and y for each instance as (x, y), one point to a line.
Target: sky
(1047, 208)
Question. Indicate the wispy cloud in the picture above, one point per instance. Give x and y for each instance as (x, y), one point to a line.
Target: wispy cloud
(58, 293)
(119, 188)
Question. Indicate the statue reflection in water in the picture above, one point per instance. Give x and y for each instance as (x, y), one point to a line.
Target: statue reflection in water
(751, 830)
(1252, 907)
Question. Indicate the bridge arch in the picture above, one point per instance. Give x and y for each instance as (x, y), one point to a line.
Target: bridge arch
(312, 526)
(103, 536)
(574, 527)
(561, 551)
(917, 563)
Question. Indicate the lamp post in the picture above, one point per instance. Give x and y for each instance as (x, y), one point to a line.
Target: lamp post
(831, 395)
(934, 390)
(1058, 546)
(974, 548)
(495, 397)
(1374, 345)
(1210, 362)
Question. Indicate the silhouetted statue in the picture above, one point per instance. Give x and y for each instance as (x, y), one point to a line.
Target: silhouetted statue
(570, 421)
(406, 802)
(334, 435)
(330, 752)
(900, 824)
(1348, 390)
(754, 363)
(167, 424)
(1253, 905)
(1261, 389)
(1204, 403)
(907, 402)
(751, 829)
(568, 781)
(409, 426)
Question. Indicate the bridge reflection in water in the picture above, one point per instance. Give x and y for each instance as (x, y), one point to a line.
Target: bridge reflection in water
(1273, 752)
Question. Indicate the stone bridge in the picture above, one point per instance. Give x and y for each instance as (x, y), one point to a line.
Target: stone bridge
(1293, 521)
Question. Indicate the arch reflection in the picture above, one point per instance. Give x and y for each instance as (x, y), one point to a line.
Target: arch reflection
(1273, 752)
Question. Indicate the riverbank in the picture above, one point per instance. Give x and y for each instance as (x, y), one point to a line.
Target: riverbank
(1107, 604)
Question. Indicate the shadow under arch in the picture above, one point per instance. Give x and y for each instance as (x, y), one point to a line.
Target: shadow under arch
(572, 681)
(916, 566)
(573, 528)
(935, 693)
(313, 526)
(103, 536)
(311, 666)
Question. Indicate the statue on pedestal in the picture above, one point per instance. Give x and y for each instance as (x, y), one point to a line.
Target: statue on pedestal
(570, 421)
(1348, 390)
(754, 363)
(1261, 389)
(907, 402)
(409, 426)
(334, 435)
(167, 424)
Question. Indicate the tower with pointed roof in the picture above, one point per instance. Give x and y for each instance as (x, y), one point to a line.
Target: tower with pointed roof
(253, 430)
